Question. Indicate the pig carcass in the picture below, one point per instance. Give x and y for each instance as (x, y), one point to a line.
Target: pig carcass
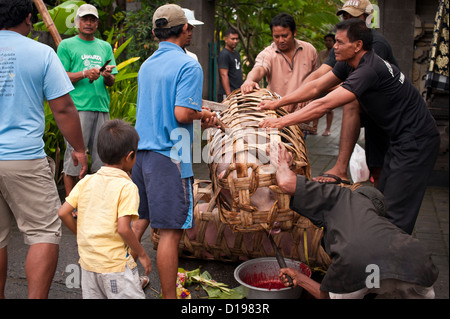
(242, 198)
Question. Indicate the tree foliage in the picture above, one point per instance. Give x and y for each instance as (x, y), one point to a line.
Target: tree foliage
(251, 19)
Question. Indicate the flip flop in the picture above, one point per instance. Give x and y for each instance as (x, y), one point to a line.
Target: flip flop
(337, 179)
(326, 134)
(144, 281)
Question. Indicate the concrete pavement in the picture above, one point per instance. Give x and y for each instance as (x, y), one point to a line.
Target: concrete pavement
(432, 229)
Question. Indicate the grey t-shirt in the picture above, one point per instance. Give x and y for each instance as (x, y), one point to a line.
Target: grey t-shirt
(231, 61)
(355, 237)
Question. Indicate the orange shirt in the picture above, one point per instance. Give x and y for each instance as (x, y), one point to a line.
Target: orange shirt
(284, 77)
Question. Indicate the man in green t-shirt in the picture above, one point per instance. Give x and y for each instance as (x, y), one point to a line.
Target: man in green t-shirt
(82, 57)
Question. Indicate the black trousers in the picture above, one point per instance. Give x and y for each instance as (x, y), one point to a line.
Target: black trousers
(407, 166)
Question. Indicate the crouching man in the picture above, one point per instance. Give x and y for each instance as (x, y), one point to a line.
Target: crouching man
(369, 254)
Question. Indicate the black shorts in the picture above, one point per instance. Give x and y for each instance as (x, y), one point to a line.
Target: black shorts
(166, 199)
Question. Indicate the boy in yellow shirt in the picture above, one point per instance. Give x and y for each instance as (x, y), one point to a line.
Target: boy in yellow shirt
(107, 203)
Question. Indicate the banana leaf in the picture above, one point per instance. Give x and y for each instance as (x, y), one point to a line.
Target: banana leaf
(63, 17)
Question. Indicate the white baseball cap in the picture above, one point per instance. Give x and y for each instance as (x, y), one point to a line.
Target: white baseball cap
(191, 18)
(87, 9)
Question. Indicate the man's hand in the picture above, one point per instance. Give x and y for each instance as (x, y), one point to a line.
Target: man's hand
(291, 272)
(271, 123)
(286, 178)
(208, 118)
(248, 86)
(302, 280)
(108, 70)
(80, 158)
(93, 74)
(146, 263)
(268, 105)
(280, 155)
(108, 78)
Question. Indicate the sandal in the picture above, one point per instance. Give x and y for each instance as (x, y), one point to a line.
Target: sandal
(337, 179)
(144, 281)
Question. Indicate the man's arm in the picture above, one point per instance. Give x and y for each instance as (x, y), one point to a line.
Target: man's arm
(253, 77)
(68, 122)
(310, 285)
(304, 93)
(74, 77)
(92, 74)
(187, 115)
(321, 71)
(282, 160)
(225, 80)
(313, 110)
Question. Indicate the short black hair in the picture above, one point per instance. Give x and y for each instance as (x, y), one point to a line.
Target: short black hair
(230, 31)
(329, 35)
(283, 20)
(116, 139)
(166, 33)
(13, 12)
(357, 30)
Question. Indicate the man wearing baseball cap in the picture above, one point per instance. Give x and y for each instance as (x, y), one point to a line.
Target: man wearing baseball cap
(169, 100)
(82, 57)
(352, 119)
(376, 140)
(192, 23)
(356, 8)
(191, 18)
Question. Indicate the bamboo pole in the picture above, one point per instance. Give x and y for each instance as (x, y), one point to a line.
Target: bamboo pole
(48, 21)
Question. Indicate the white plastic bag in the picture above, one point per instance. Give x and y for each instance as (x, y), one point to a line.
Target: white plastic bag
(358, 166)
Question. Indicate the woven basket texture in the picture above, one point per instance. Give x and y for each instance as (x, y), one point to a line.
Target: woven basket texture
(235, 231)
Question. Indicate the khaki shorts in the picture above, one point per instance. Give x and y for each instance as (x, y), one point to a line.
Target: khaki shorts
(116, 285)
(29, 195)
(91, 122)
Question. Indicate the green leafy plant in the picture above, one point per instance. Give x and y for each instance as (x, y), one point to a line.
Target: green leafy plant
(63, 17)
(251, 18)
(214, 289)
(123, 93)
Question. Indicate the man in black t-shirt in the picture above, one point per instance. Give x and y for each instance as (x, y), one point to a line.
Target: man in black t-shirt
(229, 61)
(376, 141)
(391, 102)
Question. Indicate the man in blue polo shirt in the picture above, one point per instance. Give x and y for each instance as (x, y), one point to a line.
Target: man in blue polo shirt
(169, 100)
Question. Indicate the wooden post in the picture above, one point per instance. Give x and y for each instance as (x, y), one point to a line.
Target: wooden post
(48, 21)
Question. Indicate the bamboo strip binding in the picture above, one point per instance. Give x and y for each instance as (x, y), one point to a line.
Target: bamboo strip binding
(211, 239)
(233, 233)
(242, 178)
